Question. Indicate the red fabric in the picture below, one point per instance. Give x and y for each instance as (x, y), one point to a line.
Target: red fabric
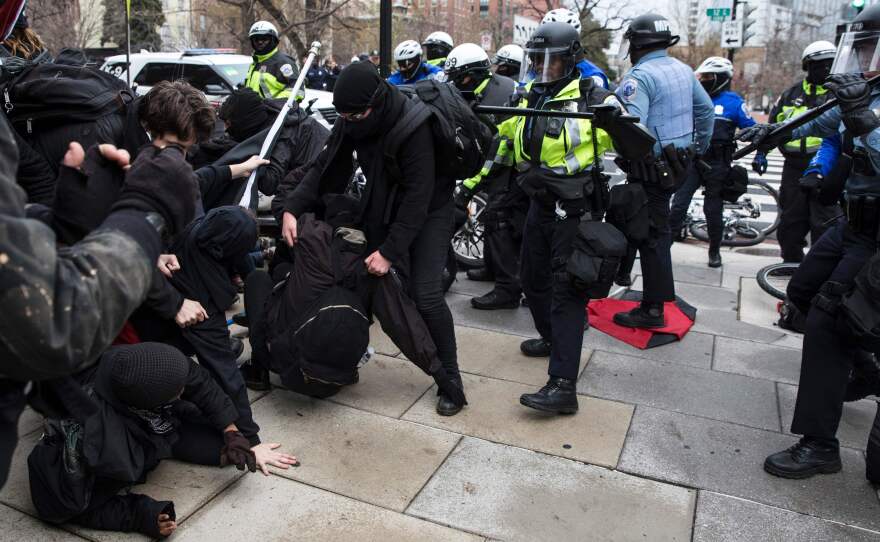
(601, 314)
(128, 335)
(9, 13)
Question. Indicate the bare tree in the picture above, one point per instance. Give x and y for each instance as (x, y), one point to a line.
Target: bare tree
(66, 23)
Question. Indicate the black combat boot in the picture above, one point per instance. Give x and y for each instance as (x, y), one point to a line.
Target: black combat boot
(714, 257)
(559, 396)
(480, 274)
(646, 315)
(808, 457)
(495, 300)
(535, 348)
(445, 405)
(255, 376)
(623, 279)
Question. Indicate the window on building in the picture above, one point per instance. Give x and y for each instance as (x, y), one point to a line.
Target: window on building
(155, 72)
(484, 8)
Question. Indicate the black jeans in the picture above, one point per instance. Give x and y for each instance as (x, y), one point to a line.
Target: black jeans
(828, 355)
(713, 206)
(655, 253)
(800, 213)
(558, 310)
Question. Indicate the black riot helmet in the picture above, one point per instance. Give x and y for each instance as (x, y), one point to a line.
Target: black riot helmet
(649, 31)
(551, 53)
(859, 45)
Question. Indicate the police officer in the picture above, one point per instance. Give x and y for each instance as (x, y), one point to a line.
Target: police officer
(715, 74)
(554, 157)
(467, 67)
(801, 213)
(411, 68)
(508, 61)
(664, 93)
(584, 66)
(437, 47)
(272, 73)
(829, 268)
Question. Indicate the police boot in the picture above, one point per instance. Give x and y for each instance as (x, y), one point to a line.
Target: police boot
(646, 315)
(714, 257)
(559, 396)
(494, 300)
(808, 457)
(256, 377)
(623, 279)
(535, 348)
(445, 405)
(480, 274)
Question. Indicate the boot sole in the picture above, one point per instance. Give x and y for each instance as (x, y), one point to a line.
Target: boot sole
(257, 387)
(511, 305)
(569, 410)
(642, 326)
(828, 468)
(531, 355)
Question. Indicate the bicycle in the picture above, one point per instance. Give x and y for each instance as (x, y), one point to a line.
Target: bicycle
(774, 278)
(741, 227)
(467, 241)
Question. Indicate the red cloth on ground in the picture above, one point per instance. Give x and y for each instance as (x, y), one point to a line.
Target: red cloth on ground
(601, 316)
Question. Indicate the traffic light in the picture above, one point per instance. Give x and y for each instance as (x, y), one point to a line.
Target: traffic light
(748, 11)
(858, 5)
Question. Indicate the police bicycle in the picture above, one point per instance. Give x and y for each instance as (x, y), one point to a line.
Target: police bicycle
(467, 241)
(774, 278)
(743, 223)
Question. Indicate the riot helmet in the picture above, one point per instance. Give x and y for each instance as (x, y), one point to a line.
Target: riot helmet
(508, 60)
(858, 51)
(466, 67)
(437, 45)
(264, 37)
(715, 74)
(816, 60)
(649, 31)
(408, 56)
(551, 53)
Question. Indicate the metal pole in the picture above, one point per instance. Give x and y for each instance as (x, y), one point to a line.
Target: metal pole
(128, 41)
(732, 18)
(384, 37)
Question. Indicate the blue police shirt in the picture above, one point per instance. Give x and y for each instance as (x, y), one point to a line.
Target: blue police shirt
(663, 92)
(588, 69)
(730, 105)
(425, 71)
(826, 157)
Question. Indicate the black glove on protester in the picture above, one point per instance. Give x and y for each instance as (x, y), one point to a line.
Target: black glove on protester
(462, 196)
(160, 180)
(811, 183)
(759, 134)
(237, 451)
(854, 97)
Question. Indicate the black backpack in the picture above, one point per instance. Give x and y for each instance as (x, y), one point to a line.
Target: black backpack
(461, 139)
(597, 252)
(47, 95)
(736, 184)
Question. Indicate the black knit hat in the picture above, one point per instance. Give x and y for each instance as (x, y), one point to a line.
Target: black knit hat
(357, 88)
(147, 375)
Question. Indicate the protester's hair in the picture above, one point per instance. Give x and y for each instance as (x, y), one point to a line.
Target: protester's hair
(24, 43)
(176, 107)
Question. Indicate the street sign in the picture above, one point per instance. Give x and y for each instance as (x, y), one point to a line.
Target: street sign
(718, 14)
(486, 41)
(732, 34)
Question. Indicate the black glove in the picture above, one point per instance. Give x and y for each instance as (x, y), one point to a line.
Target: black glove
(760, 135)
(462, 196)
(605, 115)
(237, 451)
(160, 180)
(811, 183)
(854, 98)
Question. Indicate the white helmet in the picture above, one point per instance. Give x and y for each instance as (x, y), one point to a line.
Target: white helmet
(818, 50)
(263, 28)
(407, 50)
(510, 54)
(436, 38)
(467, 58)
(716, 64)
(563, 15)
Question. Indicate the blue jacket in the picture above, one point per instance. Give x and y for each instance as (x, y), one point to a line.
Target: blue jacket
(425, 71)
(663, 92)
(588, 69)
(826, 157)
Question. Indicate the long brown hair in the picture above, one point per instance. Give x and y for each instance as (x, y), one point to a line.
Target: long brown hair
(24, 43)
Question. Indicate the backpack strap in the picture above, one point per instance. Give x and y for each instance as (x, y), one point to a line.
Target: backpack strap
(400, 132)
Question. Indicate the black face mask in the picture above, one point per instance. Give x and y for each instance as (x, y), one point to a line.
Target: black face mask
(265, 46)
(365, 128)
(707, 85)
(818, 71)
(507, 70)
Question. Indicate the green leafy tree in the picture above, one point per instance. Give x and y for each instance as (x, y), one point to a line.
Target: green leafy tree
(146, 18)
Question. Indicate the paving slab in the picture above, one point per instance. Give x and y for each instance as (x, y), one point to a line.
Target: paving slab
(726, 323)
(757, 307)
(365, 456)
(515, 322)
(696, 274)
(745, 266)
(699, 296)
(595, 434)
(757, 360)
(381, 342)
(721, 518)
(688, 390)
(855, 424)
(514, 494)
(695, 349)
(18, 527)
(497, 355)
(277, 509)
(727, 458)
(387, 386)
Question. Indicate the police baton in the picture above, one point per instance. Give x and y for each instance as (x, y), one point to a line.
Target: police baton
(529, 112)
(787, 127)
(269, 142)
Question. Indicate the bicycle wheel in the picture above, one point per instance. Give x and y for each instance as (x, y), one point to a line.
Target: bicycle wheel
(774, 278)
(768, 227)
(467, 242)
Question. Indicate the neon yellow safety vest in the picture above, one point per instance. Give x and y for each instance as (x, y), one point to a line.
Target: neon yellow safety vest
(272, 75)
(807, 145)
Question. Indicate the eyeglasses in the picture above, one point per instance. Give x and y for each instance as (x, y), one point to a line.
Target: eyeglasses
(356, 117)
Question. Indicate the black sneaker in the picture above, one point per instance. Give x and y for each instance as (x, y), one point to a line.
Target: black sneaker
(641, 318)
(714, 258)
(535, 348)
(558, 396)
(624, 279)
(255, 377)
(480, 274)
(494, 301)
(805, 459)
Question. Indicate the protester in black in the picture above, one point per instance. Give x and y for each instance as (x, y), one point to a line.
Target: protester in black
(407, 220)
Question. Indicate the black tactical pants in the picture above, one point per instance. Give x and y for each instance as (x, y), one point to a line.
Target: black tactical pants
(800, 213)
(558, 310)
(828, 355)
(503, 219)
(654, 253)
(713, 205)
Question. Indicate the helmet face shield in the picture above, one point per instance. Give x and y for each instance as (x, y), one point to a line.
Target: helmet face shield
(547, 65)
(858, 53)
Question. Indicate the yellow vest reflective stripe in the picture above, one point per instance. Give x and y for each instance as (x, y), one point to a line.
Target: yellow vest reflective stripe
(264, 83)
(808, 144)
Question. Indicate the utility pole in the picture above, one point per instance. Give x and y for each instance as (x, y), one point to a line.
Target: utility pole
(732, 18)
(384, 37)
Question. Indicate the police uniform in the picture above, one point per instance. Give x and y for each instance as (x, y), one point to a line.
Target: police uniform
(588, 69)
(664, 93)
(730, 113)
(800, 213)
(272, 75)
(425, 71)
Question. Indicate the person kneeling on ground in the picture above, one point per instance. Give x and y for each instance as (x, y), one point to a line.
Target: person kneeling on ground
(142, 404)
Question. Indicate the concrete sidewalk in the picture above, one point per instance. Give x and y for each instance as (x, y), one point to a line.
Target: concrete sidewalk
(668, 443)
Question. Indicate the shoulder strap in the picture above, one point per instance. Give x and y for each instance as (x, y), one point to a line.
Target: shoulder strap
(418, 113)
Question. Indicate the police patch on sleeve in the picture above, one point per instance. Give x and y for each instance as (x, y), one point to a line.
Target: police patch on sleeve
(598, 81)
(286, 70)
(628, 89)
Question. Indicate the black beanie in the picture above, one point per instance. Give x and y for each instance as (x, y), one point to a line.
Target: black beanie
(245, 112)
(356, 87)
(147, 375)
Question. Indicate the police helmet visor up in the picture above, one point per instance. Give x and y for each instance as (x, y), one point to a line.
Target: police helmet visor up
(858, 52)
(546, 65)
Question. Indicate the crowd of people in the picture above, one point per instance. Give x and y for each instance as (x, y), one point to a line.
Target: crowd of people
(127, 235)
